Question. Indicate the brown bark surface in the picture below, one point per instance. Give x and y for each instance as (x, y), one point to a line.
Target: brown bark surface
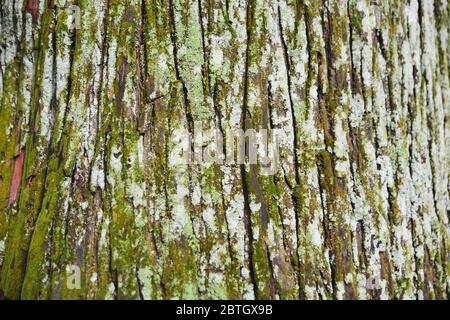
(357, 92)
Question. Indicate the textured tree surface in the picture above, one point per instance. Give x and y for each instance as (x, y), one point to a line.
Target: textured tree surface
(358, 207)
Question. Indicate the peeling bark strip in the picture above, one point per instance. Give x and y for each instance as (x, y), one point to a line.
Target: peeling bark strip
(358, 92)
(16, 177)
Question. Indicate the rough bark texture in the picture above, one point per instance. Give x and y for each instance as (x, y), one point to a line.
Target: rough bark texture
(358, 207)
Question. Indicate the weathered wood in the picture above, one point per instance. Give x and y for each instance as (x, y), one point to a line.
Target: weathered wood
(357, 91)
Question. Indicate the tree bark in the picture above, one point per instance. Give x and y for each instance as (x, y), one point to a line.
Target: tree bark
(358, 207)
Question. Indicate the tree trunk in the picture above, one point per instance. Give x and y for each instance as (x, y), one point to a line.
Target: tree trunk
(92, 207)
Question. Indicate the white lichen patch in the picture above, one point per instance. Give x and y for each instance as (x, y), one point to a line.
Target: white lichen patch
(145, 277)
(209, 218)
